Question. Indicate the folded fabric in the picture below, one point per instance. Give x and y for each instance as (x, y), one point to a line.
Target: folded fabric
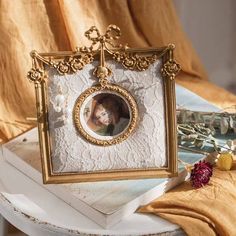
(58, 25)
(210, 210)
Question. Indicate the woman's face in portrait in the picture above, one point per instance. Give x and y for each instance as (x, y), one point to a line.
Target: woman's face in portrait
(103, 116)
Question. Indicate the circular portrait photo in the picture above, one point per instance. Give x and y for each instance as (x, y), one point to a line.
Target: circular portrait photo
(106, 114)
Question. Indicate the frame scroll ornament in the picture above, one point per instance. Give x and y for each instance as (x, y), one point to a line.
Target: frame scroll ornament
(138, 59)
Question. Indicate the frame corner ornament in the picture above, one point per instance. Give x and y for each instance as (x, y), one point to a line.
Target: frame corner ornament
(35, 75)
(170, 69)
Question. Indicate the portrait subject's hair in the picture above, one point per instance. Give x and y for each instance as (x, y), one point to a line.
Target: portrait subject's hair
(113, 104)
(109, 103)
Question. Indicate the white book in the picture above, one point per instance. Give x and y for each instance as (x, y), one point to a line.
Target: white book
(106, 203)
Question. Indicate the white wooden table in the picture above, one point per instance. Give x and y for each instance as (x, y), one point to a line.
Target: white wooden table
(35, 211)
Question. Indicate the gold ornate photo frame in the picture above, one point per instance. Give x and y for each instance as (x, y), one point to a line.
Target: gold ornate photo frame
(98, 119)
(110, 92)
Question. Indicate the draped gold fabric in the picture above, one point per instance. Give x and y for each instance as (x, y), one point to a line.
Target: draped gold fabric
(54, 25)
(209, 211)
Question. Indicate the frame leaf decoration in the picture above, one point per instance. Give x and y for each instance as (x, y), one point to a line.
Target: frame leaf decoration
(137, 59)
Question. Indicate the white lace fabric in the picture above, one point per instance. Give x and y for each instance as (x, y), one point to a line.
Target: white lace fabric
(144, 148)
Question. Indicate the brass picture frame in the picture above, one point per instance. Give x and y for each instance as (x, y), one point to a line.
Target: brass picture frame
(130, 58)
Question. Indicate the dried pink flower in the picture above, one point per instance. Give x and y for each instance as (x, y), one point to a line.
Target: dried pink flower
(201, 174)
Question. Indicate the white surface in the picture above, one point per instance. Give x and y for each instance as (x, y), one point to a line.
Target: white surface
(35, 211)
(143, 149)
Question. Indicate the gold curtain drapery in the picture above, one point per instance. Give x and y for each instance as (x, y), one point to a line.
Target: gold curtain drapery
(208, 211)
(54, 25)
(59, 25)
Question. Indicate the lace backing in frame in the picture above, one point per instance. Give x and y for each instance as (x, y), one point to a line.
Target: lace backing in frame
(144, 148)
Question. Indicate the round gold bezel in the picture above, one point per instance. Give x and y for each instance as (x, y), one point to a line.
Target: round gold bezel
(114, 89)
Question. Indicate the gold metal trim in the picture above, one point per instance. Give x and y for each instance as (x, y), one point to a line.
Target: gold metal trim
(142, 58)
(71, 62)
(121, 92)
